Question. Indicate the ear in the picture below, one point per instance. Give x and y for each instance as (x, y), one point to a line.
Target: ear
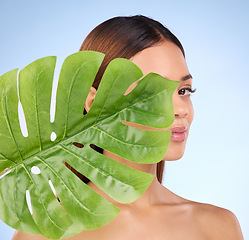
(90, 98)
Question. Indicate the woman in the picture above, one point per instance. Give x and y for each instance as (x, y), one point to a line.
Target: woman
(158, 213)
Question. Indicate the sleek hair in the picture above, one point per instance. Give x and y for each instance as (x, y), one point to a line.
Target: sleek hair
(123, 37)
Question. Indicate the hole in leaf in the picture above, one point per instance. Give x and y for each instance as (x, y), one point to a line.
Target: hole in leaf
(79, 145)
(84, 112)
(142, 127)
(78, 174)
(28, 200)
(52, 187)
(131, 87)
(96, 148)
(53, 136)
(35, 170)
(54, 191)
(112, 155)
(53, 99)
(90, 97)
(6, 172)
(92, 146)
(22, 120)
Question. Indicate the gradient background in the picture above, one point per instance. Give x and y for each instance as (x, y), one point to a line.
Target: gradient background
(215, 35)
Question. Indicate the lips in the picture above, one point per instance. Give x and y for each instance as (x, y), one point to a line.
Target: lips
(178, 134)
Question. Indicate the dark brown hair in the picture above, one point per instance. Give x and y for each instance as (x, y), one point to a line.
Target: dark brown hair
(123, 37)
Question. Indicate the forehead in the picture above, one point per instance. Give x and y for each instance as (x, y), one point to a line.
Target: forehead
(165, 59)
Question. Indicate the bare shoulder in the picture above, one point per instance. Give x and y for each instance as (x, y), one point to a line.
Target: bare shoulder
(217, 222)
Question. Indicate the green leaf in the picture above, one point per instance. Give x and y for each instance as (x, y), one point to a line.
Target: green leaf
(149, 104)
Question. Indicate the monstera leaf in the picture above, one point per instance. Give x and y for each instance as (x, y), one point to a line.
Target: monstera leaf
(33, 167)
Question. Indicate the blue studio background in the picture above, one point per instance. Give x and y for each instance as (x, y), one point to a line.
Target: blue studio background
(215, 35)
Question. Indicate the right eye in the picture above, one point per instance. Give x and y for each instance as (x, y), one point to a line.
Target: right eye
(186, 91)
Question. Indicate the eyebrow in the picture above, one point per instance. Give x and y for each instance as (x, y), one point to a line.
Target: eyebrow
(189, 76)
(186, 77)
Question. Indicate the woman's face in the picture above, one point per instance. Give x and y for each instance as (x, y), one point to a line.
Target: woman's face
(167, 60)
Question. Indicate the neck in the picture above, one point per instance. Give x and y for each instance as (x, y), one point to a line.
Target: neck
(150, 197)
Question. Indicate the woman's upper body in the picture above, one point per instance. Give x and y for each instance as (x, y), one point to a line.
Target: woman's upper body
(173, 218)
(159, 214)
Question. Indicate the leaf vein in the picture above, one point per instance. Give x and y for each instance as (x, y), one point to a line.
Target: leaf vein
(61, 179)
(98, 128)
(86, 161)
(36, 110)
(70, 92)
(4, 158)
(9, 126)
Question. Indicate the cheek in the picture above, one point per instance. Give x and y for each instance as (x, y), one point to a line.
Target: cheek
(190, 111)
(176, 149)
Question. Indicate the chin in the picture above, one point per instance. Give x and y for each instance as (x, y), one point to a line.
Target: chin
(175, 151)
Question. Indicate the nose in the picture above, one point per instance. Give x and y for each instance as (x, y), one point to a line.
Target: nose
(180, 107)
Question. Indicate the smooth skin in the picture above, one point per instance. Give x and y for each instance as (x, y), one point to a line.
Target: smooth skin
(160, 214)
